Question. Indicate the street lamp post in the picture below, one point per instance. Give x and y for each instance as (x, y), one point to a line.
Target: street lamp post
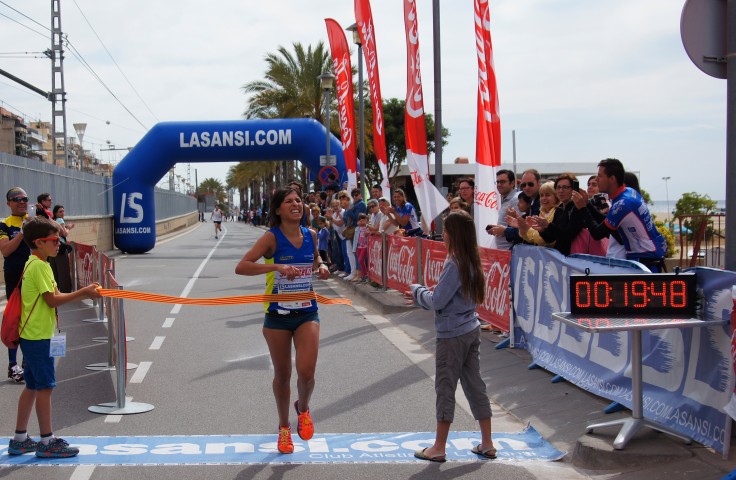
(80, 128)
(667, 193)
(327, 81)
(356, 40)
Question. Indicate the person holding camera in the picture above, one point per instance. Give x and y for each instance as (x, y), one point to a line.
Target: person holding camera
(597, 204)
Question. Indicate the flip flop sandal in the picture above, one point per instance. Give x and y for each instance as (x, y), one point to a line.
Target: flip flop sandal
(489, 454)
(423, 456)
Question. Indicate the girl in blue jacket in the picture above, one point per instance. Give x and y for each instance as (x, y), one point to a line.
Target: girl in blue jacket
(460, 289)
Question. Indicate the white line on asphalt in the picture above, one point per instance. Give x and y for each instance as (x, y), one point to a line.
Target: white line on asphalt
(113, 418)
(83, 472)
(416, 353)
(190, 283)
(140, 372)
(157, 342)
(168, 322)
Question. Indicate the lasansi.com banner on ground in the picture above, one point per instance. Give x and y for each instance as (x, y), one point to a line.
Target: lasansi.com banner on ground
(687, 372)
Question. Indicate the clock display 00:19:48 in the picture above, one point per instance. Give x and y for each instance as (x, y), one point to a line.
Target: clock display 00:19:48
(635, 294)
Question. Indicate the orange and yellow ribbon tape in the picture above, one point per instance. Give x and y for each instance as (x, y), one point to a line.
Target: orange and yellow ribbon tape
(236, 300)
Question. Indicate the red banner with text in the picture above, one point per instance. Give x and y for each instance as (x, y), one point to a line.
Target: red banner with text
(401, 262)
(375, 258)
(85, 258)
(496, 308)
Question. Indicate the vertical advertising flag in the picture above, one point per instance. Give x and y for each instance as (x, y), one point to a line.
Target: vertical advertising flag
(488, 137)
(431, 201)
(364, 19)
(344, 83)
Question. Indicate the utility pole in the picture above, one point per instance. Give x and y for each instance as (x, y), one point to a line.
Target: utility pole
(58, 94)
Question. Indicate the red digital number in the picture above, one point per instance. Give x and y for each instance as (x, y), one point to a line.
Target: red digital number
(678, 294)
(578, 302)
(640, 293)
(662, 294)
(597, 286)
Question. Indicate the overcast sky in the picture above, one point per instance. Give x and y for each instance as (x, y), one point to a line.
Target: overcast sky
(578, 80)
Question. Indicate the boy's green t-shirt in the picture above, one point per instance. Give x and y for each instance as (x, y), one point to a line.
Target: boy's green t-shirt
(38, 279)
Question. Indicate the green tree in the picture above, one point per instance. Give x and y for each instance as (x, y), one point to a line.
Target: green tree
(692, 203)
(215, 187)
(290, 88)
(393, 121)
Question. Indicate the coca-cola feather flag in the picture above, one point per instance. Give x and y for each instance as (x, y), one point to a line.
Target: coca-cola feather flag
(488, 136)
(364, 20)
(431, 201)
(344, 86)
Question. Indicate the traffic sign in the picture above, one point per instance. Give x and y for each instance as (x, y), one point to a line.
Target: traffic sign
(703, 31)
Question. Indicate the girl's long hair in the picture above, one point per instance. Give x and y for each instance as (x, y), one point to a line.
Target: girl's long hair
(462, 246)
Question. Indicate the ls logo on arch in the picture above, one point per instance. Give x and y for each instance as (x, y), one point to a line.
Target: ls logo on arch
(131, 203)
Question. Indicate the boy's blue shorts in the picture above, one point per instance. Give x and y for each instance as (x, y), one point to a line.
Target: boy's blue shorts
(38, 367)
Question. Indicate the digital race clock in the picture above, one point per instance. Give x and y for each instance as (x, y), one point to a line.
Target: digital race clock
(633, 294)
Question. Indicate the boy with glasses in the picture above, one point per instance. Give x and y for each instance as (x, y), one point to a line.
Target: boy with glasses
(39, 341)
(15, 253)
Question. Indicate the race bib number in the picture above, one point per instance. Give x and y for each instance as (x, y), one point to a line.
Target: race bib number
(300, 284)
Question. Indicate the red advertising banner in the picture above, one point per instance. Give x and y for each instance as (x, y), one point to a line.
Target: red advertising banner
(433, 261)
(375, 258)
(85, 257)
(496, 308)
(344, 85)
(402, 262)
(364, 19)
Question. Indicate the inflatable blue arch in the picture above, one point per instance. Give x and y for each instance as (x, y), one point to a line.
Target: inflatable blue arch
(169, 143)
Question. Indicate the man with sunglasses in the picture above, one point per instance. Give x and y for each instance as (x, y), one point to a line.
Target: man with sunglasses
(15, 253)
(529, 186)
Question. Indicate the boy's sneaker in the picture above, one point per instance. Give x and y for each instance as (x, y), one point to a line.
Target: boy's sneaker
(304, 425)
(285, 444)
(15, 373)
(19, 448)
(57, 448)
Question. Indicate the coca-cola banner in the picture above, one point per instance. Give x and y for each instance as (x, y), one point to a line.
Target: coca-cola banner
(496, 307)
(402, 262)
(375, 258)
(85, 257)
(364, 19)
(433, 261)
(344, 85)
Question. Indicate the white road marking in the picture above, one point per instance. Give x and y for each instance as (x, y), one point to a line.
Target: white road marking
(157, 342)
(82, 472)
(190, 283)
(416, 353)
(140, 372)
(117, 418)
(168, 322)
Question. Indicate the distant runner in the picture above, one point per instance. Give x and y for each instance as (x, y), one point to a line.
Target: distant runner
(216, 217)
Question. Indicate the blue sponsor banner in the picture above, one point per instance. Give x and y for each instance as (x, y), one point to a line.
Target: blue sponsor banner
(261, 449)
(687, 372)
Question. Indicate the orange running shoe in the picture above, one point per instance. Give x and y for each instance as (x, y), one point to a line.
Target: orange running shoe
(304, 425)
(285, 444)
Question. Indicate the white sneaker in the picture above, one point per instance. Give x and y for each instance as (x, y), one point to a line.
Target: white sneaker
(350, 277)
(342, 274)
(15, 373)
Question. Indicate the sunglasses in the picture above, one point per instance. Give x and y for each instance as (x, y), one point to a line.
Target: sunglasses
(19, 199)
(55, 240)
(527, 184)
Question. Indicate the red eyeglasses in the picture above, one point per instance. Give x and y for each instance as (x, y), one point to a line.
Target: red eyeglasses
(56, 240)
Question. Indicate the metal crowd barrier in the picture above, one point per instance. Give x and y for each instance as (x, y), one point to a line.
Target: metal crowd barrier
(116, 325)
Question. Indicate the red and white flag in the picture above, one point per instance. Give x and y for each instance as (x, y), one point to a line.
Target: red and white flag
(364, 19)
(344, 83)
(431, 201)
(488, 136)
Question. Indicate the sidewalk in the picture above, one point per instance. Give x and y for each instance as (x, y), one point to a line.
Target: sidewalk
(561, 411)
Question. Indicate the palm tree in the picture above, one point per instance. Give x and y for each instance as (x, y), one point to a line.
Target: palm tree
(290, 88)
(215, 187)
